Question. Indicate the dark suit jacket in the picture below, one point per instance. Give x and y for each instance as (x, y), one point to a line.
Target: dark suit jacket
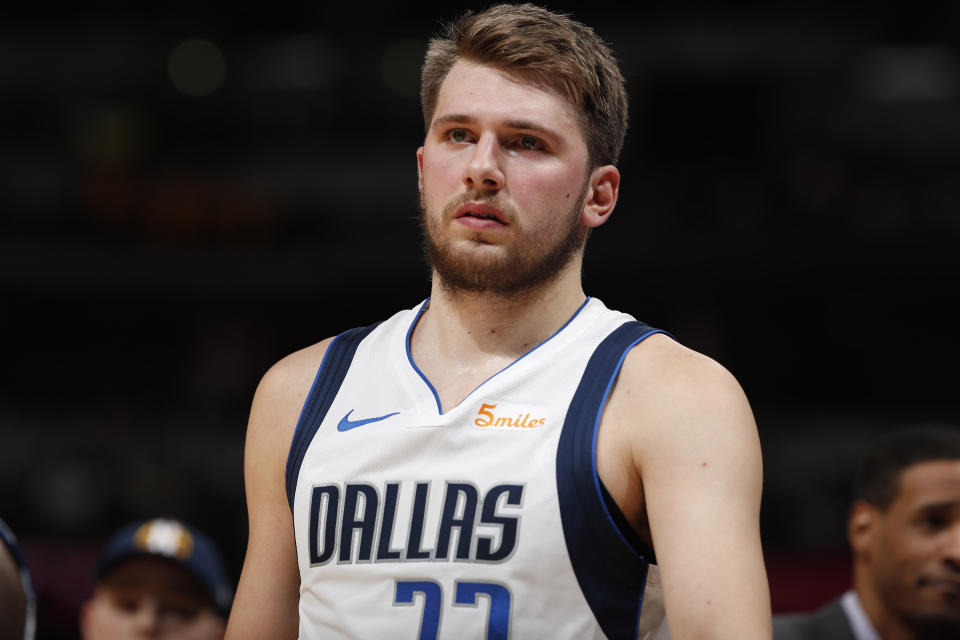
(828, 623)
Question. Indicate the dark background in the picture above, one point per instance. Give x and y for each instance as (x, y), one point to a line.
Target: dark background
(178, 215)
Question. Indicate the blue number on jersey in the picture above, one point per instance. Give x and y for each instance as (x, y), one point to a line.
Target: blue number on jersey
(467, 594)
(498, 623)
(432, 597)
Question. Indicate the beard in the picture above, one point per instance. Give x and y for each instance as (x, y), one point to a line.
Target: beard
(534, 259)
(935, 627)
(930, 618)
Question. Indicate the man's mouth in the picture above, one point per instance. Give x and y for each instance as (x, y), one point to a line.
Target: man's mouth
(946, 585)
(481, 211)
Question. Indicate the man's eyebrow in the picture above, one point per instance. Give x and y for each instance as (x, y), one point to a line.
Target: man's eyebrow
(184, 584)
(455, 118)
(944, 505)
(527, 125)
(533, 126)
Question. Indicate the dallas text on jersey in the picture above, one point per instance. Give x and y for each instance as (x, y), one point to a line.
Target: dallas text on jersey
(346, 521)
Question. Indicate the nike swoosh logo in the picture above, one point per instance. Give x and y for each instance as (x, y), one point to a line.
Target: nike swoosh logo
(346, 423)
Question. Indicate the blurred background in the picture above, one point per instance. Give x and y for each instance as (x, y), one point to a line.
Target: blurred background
(191, 191)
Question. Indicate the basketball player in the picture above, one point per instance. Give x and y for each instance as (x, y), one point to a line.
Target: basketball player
(158, 579)
(904, 531)
(508, 458)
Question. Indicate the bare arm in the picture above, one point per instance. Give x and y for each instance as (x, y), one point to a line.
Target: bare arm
(268, 593)
(695, 453)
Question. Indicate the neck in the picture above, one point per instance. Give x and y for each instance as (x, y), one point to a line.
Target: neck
(463, 337)
(888, 625)
(461, 322)
(471, 328)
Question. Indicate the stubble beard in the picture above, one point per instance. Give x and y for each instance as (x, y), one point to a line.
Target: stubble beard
(531, 262)
(940, 621)
(944, 625)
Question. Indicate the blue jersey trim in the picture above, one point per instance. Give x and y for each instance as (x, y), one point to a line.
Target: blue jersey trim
(333, 369)
(434, 391)
(299, 428)
(596, 431)
(636, 625)
(612, 574)
(423, 307)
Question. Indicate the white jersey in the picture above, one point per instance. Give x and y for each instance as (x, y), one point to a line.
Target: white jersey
(487, 520)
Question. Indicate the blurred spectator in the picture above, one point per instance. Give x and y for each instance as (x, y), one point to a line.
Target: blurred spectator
(904, 532)
(158, 579)
(17, 601)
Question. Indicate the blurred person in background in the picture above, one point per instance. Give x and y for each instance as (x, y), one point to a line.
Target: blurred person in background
(158, 579)
(17, 600)
(904, 532)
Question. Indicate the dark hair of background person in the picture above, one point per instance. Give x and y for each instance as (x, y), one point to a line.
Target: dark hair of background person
(878, 479)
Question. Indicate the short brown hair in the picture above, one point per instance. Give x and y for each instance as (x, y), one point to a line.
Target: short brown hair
(549, 49)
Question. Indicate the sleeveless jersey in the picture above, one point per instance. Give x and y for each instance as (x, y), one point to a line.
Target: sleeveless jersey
(487, 520)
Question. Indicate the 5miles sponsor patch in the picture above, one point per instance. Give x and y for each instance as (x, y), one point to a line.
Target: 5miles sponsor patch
(508, 416)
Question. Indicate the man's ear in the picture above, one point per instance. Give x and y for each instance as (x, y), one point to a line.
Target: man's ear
(862, 526)
(420, 168)
(602, 192)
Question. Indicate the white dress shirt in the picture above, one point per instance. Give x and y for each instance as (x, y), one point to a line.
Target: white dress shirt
(859, 622)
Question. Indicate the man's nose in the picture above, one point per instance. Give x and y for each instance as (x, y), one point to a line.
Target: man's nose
(483, 171)
(147, 619)
(951, 548)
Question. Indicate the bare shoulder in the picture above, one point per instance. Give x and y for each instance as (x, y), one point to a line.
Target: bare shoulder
(663, 365)
(667, 394)
(683, 428)
(285, 380)
(284, 387)
(267, 594)
(278, 401)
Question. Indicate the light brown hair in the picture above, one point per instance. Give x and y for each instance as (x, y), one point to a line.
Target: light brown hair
(548, 49)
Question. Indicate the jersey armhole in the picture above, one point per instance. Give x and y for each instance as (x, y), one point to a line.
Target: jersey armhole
(333, 369)
(609, 560)
(639, 546)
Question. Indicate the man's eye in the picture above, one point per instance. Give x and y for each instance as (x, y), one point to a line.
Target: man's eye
(179, 612)
(127, 604)
(458, 135)
(529, 143)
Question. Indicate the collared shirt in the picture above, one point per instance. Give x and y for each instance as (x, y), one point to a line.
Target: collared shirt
(859, 622)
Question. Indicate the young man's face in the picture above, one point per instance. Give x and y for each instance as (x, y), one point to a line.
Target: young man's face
(150, 598)
(503, 174)
(915, 552)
